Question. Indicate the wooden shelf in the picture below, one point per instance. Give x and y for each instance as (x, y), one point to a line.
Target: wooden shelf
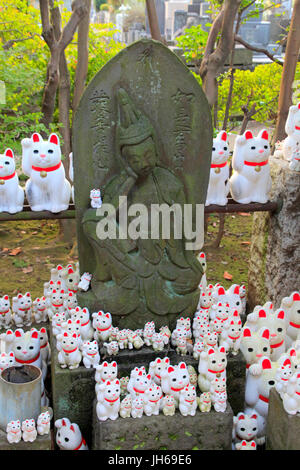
(231, 207)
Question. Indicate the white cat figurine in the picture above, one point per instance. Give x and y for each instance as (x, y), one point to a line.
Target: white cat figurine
(245, 428)
(47, 187)
(85, 281)
(212, 364)
(108, 400)
(96, 200)
(188, 401)
(7, 360)
(70, 355)
(68, 436)
(5, 312)
(90, 354)
(14, 433)
(174, 379)
(292, 129)
(251, 180)
(152, 397)
(102, 324)
(22, 308)
(11, 194)
(43, 423)
(218, 186)
(29, 432)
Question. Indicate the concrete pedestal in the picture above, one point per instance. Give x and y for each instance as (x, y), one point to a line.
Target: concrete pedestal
(204, 431)
(41, 443)
(283, 429)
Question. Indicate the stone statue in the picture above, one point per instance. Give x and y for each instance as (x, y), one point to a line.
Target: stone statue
(147, 278)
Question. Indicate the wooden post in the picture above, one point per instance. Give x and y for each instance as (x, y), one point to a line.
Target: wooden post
(153, 21)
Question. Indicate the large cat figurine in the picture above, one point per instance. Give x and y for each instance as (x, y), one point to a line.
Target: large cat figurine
(218, 186)
(251, 180)
(292, 127)
(47, 187)
(11, 194)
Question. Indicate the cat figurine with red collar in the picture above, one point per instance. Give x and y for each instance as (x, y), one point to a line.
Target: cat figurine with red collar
(156, 367)
(218, 187)
(57, 299)
(70, 326)
(251, 180)
(90, 354)
(231, 334)
(112, 348)
(158, 342)
(14, 432)
(5, 312)
(7, 360)
(43, 423)
(57, 320)
(218, 394)
(22, 309)
(230, 297)
(126, 406)
(102, 324)
(152, 400)
(292, 129)
(96, 200)
(245, 428)
(260, 380)
(70, 355)
(68, 436)
(11, 194)
(86, 328)
(275, 322)
(291, 306)
(138, 383)
(47, 187)
(44, 345)
(70, 302)
(283, 374)
(29, 432)
(137, 409)
(72, 279)
(254, 345)
(108, 400)
(291, 397)
(105, 371)
(188, 401)
(212, 364)
(40, 310)
(85, 281)
(174, 379)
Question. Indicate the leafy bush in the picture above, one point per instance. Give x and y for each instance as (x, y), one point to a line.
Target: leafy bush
(193, 43)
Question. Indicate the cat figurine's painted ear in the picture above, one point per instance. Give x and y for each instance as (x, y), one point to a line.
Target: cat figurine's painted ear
(53, 138)
(9, 153)
(36, 137)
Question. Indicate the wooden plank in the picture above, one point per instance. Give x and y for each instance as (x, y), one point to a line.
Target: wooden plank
(28, 214)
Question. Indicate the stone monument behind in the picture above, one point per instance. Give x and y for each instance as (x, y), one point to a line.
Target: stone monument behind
(143, 135)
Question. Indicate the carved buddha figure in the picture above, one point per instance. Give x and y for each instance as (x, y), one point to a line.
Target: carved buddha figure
(142, 279)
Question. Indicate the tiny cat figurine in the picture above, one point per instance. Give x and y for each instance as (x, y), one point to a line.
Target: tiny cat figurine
(166, 333)
(230, 298)
(152, 397)
(291, 397)
(218, 187)
(86, 329)
(122, 339)
(125, 407)
(90, 354)
(108, 400)
(158, 342)
(138, 382)
(29, 432)
(7, 360)
(70, 326)
(156, 367)
(204, 402)
(44, 345)
(283, 374)
(106, 371)
(102, 324)
(57, 320)
(40, 310)
(70, 302)
(218, 394)
(43, 423)
(251, 180)
(11, 194)
(85, 280)
(14, 433)
(112, 348)
(292, 129)
(96, 200)
(68, 436)
(291, 307)
(5, 312)
(123, 384)
(231, 335)
(137, 408)
(188, 401)
(47, 187)
(57, 298)
(72, 279)
(169, 405)
(22, 308)
(198, 348)
(245, 445)
(245, 428)
(135, 341)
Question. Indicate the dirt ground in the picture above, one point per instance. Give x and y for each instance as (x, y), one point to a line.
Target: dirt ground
(28, 250)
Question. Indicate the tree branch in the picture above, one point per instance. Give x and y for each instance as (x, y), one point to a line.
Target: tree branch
(257, 49)
(11, 42)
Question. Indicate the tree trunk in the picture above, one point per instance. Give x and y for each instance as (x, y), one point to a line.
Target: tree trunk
(153, 21)
(288, 74)
(214, 59)
(82, 56)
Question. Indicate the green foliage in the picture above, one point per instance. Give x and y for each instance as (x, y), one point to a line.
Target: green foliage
(193, 43)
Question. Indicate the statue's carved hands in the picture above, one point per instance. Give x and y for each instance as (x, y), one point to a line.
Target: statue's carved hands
(130, 172)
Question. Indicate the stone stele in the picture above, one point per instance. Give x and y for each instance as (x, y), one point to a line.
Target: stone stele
(142, 131)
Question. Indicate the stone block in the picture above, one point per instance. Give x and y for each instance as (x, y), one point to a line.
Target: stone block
(41, 443)
(283, 429)
(204, 431)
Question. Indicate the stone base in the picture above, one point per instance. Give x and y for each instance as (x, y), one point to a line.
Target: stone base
(283, 429)
(73, 391)
(204, 431)
(41, 443)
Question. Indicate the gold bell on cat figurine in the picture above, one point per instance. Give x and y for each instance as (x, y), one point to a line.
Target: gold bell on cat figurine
(43, 174)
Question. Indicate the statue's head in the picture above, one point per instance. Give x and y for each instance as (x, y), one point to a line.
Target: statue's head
(135, 137)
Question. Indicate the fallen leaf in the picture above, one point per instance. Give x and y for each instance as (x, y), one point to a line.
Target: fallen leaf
(227, 276)
(245, 214)
(27, 270)
(15, 251)
(245, 243)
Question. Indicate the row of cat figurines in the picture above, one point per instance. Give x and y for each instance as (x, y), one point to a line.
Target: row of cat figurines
(47, 188)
